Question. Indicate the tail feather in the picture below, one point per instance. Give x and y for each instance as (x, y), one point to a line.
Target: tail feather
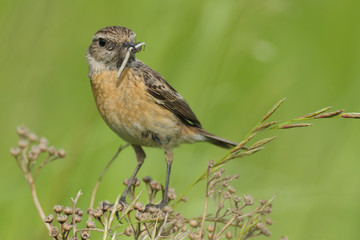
(218, 141)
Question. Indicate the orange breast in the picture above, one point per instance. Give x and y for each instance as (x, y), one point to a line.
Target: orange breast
(132, 113)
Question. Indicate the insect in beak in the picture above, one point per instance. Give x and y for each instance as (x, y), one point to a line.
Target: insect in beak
(132, 47)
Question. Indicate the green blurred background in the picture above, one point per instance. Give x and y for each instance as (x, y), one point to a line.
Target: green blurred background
(232, 60)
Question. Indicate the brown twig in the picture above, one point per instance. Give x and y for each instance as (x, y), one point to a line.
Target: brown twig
(211, 163)
(30, 180)
(74, 201)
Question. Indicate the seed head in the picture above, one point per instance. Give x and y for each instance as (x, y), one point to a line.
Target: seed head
(231, 189)
(263, 202)
(126, 181)
(22, 130)
(15, 151)
(42, 147)
(236, 198)
(168, 209)
(136, 182)
(34, 153)
(184, 199)
(90, 211)
(32, 137)
(128, 231)
(44, 141)
(85, 234)
(61, 218)
(259, 226)
(142, 216)
(61, 153)
(248, 200)
(193, 223)
(155, 185)
(54, 232)
(267, 210)
(140, 207)
(52, 151)
(211, 163)
(171, 194)
(58, 208)
(77, 218)
(228, 235)
(194, 236)
(147, 179)
(268, 221)
(105, 205)
(23, 143)
(226, 195)
(217, 174)
(210, 228)
(179, 224)
(68, 211)
(266, 232)
(79, 212)
(49, 218)
(67, 226)
(90, 224)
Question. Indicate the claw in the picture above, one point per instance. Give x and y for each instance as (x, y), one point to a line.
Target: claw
(158, 206)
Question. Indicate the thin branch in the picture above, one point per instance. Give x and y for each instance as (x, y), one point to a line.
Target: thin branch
(30, 180)
(74, 201)
(207, 195)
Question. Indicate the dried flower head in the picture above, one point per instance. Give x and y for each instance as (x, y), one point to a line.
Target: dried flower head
(58, 208)
(128, 231)
(68, 211)
(248, 200)
(15, 151)
(61, 153)
(90, 224)
(85, 234)
(49, 218)
(67, 226)
(23, 143)
(61, 218)
(54, 232)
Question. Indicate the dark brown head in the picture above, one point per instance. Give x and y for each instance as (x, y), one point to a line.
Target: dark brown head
(109, 47)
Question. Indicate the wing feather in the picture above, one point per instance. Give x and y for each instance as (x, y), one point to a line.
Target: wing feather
(167, 96)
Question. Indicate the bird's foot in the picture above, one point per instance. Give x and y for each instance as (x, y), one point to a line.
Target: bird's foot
(157, 206)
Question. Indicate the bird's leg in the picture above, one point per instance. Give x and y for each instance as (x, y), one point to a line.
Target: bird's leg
(140, 156)
(169, 155)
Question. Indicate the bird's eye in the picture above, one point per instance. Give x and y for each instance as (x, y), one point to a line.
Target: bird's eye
(102, 42)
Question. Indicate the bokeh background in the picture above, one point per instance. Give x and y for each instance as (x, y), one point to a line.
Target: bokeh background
(232, 60)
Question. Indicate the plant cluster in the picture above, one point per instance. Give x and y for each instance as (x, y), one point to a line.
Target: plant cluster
(234, 216)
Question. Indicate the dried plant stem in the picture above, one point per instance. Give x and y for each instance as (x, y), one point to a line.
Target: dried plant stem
(206, 198)
(225, 227)
(30, 180)
(74, 201)
(162, 227)
(93, 195)
(111, 217)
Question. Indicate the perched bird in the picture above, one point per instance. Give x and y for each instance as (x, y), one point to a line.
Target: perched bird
(137, 103)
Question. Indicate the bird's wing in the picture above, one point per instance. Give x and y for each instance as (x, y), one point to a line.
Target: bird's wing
(167, 96)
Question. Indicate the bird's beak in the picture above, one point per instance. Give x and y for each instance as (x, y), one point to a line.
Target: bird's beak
(135, 47)
(138, 47)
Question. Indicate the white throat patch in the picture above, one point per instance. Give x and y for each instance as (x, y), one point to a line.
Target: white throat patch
(95, 66)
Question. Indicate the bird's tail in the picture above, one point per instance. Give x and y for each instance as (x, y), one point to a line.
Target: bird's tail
(218, 141)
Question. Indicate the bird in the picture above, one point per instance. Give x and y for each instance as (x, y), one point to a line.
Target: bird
(138, 104)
